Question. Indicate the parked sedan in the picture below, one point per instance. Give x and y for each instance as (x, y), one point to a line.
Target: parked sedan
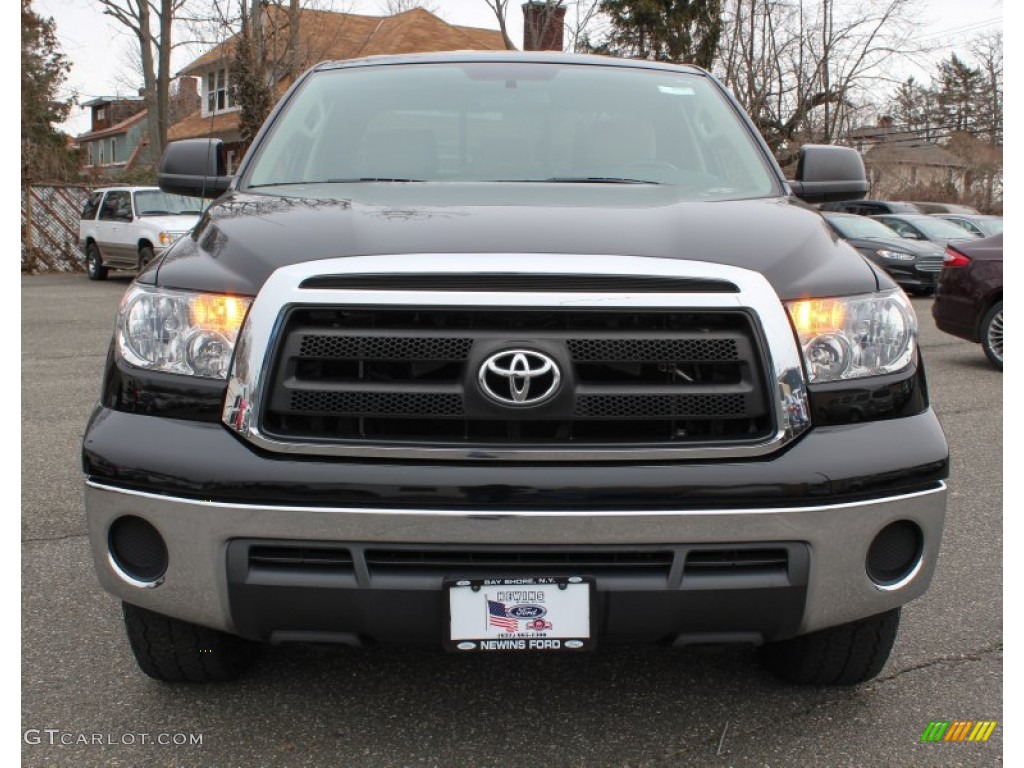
(919, 226)
(914, 265)
(969, 299)
(983, 226)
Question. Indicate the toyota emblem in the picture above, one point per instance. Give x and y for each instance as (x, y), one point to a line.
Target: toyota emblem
(519, 377)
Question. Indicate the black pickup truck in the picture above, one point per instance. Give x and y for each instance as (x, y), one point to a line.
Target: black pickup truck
(513, 352)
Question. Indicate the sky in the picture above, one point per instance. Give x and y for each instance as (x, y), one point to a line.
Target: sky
(98, 47)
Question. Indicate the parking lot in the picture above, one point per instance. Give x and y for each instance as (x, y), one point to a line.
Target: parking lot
(420, 707)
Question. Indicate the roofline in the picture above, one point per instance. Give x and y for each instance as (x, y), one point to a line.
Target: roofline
(108, 100)
(536, 57)
(115, 130)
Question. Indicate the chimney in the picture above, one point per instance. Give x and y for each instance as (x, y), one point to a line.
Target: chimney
(543, 24)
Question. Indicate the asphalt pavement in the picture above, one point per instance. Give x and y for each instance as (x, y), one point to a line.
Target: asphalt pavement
(84, 702)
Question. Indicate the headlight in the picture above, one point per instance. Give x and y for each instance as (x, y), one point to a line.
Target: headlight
(166, 238)
(179, 331)
(896, 255)
(854, 336)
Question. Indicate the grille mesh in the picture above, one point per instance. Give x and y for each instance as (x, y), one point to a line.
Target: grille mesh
(392, 403)
(621, 406)
(653, 350)
(385, 347)
(410, 376)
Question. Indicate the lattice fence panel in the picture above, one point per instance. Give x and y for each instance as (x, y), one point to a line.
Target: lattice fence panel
(52, 245)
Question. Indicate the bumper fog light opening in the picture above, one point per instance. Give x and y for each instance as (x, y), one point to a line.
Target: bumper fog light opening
(137, 552)
(895, 555)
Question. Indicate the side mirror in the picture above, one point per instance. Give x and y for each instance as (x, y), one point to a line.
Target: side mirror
(827, 173)
(194, 168)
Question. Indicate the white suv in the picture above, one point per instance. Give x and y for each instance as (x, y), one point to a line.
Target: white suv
(127, 227)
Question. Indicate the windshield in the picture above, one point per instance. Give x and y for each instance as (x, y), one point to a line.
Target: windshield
(508, 122)
(157, 203)
(859, 226)
(940, 229)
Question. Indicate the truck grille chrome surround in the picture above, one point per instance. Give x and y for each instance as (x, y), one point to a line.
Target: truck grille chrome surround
(274, 402)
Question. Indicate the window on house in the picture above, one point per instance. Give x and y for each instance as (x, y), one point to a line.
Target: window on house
(218, 92)
(222, 89)
(113, 150)
(100, 113)
(100, 161)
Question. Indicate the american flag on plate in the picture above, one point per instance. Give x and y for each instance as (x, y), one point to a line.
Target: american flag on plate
(497, 616)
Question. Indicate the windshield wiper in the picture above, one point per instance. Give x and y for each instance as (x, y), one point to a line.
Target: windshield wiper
(368, 178)
(597, 180)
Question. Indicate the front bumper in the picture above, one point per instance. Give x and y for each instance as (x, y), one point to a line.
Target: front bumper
(205, 491)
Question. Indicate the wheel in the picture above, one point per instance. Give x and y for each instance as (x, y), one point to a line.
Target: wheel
(992, 335)
(94, 263)
(176, 651)
(843, 655)
(145, 256)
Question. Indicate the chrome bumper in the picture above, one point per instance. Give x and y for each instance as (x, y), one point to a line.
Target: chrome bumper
(197, 533)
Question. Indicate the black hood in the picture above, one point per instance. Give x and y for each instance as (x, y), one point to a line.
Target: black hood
(244, 237)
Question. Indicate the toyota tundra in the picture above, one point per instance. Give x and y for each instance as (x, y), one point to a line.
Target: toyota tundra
(506, 352)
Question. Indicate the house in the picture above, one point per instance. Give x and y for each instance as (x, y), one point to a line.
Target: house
(325, 36)
(116, 140)
(899, 159)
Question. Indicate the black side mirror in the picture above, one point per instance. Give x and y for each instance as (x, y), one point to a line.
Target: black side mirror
(827, 173)
(194, 168)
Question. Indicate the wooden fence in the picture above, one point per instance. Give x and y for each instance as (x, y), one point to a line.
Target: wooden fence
(49, 227)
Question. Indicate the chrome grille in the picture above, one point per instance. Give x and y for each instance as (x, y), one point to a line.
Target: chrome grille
(409, 375)
(929, 263)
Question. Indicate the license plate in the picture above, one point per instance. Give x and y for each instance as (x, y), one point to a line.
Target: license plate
(520, 614)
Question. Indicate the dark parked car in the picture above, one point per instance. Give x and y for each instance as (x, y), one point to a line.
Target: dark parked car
(943, 208)
(915, 265)
(983, 226)
(969, 299)
(869, 207)
(919, 226)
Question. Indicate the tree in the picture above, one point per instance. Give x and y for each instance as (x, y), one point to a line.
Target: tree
(988, 52)
(500, 8)
(664, 30)
(957, 94)
(151, 21)
(249, 77)
(44, 69)
(804, 68)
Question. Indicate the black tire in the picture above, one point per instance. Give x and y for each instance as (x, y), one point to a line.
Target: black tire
(844, 655)
(94, 263)
(992, 334)
(145, 256)
(176, 651)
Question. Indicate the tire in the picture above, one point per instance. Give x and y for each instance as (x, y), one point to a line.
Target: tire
(176, 651)
(94, 263)
(992, 334)
(145, 256)
(844, 655)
